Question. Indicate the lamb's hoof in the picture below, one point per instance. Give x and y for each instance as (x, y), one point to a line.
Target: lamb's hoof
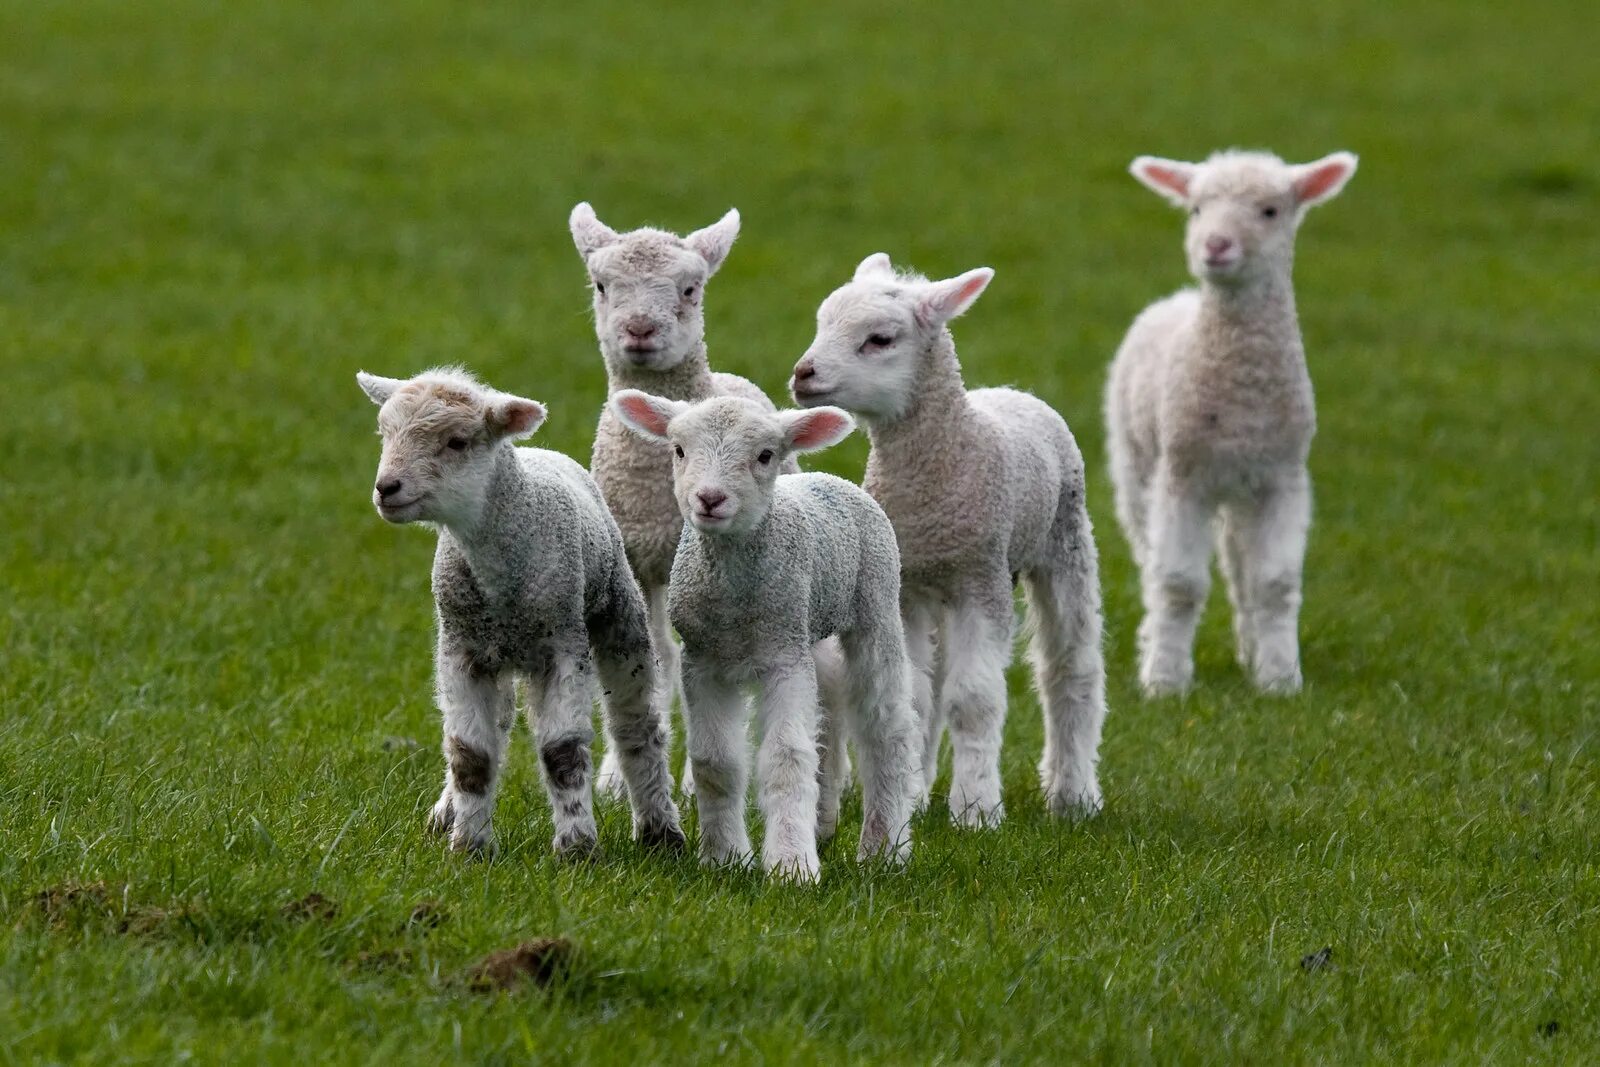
(442, 817)
(575, 845)
(796, 870)
(1157, 683)
(1284, 683)
(662, 835)
(732, 858)
(478, 844)
(826, 828)
(1075, 802)
(977, 815)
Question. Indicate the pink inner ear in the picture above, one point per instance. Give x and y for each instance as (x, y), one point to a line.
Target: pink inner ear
(1167, 177)
(645, 414)
(819, 429)
(1317, 184)
(521, 415)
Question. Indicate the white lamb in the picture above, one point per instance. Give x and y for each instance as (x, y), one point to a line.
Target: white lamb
(530, 582)
(983, 488)
(1209, 416)
(649, 314)
(769, 568)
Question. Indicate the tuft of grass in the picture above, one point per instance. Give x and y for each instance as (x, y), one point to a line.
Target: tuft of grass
(214, 660)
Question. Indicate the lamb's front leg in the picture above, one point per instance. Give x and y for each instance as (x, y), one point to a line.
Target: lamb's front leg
(976, 644)
(478, 707)
(919, 622)
(786, 772)
(716, 718)
(1273, 537)
(1175, 580)
(565, 734)
(888, 744)
(635, 727)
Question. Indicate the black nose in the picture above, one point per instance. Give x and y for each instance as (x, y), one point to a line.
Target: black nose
(389, 488)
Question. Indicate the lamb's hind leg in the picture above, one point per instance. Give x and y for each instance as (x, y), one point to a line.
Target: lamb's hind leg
(833, 734)
(1231, 550)
(888, 742)
(919, 621)
(565, 733)
(478, 707)
(611, 781)
(976, 645)
(635, 720)
(1069, 667)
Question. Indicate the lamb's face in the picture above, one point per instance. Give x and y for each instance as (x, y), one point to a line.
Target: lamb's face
(1242, 220)
(440, 432)
(649, 288)
(727, 452)
(867, 350)
(873, 335)
(1244, 208)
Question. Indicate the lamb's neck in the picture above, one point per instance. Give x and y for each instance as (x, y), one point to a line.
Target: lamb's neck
(1257, 316)
(735, 557)
(493, 538)
(688, 380)
(936, 420)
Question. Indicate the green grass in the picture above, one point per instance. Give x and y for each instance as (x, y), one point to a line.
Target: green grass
(212, 214)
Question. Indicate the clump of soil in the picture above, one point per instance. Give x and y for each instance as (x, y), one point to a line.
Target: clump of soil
(311, 906)
(1320, 960)
(68, 905)
(540, 961)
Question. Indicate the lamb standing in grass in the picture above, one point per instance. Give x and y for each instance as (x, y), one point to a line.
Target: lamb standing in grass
(530, 581)
(771, 567)
(1209, 416)
(649, 288)
(982, 488)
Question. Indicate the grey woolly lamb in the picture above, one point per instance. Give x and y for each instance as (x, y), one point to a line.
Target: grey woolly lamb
(983, 488)
(530, 582)
(770, 568)
(1209, 417)
(649, 287)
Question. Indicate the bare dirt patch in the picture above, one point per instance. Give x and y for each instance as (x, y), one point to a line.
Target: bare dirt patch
(540, 961)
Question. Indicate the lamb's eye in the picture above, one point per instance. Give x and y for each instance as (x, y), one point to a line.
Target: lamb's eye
(1270, 212)
(456, 444)
(877, 341)
(688, 292)
(677, 450)
(600, 287)
(765, 457)
(1194, 212)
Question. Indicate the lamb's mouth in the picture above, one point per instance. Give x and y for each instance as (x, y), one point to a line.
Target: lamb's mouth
(705, 520)
(398, 513)
(807, 395)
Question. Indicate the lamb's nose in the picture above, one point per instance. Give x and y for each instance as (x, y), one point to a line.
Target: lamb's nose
(389, 488)
(805, 370)
(1215, 246)
(641, 331)
(710, 499)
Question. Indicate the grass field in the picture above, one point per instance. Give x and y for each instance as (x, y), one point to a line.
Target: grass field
(215, 676)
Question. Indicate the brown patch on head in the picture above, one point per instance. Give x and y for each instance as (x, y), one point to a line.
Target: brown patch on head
(542, 961)
(471, 767)
(311, 906)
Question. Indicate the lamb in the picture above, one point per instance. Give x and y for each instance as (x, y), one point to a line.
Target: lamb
(770, 570)
(1209, 418)
(649, 288)
(530, 583)
(983, 488)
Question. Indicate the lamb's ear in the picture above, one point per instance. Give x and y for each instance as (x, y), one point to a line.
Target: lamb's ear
(513, 416)
(1166, 177)
(715, 241)
(644, 414)
(1322, 180)
(588, 232)
(940, 302)
(812, 429)
(378, 389)
(876, 265)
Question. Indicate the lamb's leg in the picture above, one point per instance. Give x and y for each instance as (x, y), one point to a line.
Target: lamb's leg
(888, 743)
(1176, 579)
(786, 772)
(1130, 483)
(976, 645)
(565, 733)
(716, 718)
(833, 734)
(478, 707)
(1231, 549)
(1274, 556)
(1069, 667)
(611, 781)
(918, 620)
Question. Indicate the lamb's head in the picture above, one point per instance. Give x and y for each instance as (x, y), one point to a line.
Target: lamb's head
(873, 335)
(1244, 208)
(727, 451)
(649, 287)
(441, 431)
